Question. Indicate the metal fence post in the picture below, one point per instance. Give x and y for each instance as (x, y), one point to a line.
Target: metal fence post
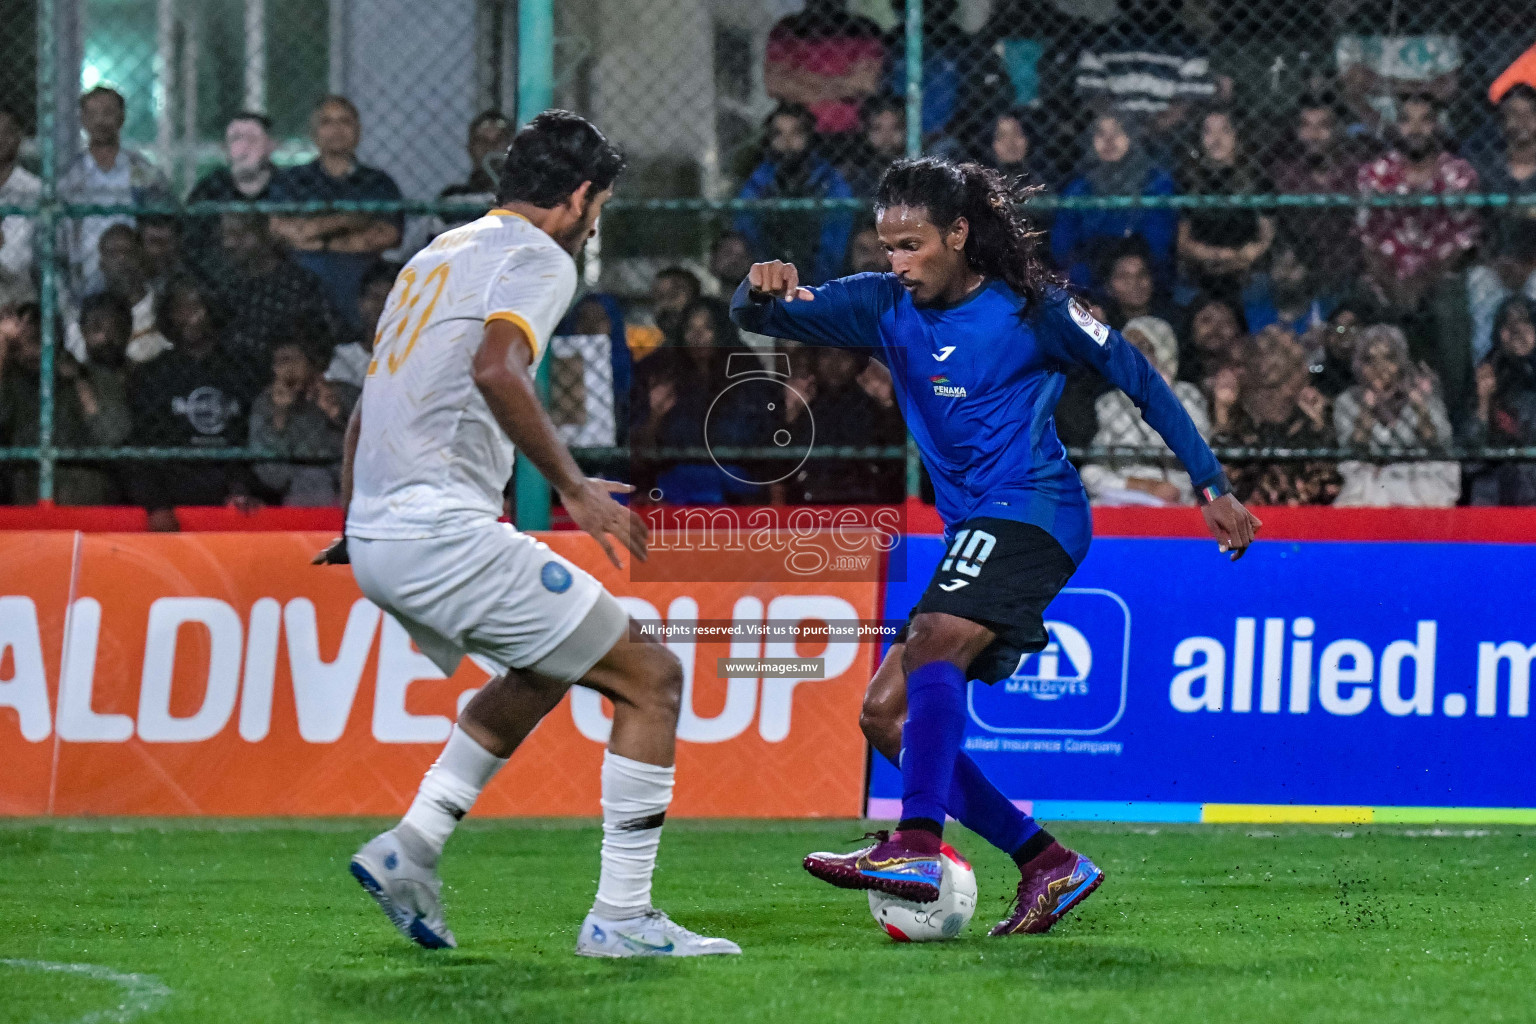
(914, 57)
(535, 91)
(47, 214)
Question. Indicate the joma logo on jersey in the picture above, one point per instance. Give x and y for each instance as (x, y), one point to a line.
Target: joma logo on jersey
(944, 389)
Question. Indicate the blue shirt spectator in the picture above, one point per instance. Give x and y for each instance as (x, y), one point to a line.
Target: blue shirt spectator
(792, 169)
(1118, 166)
(338, 247)
(1288, 294)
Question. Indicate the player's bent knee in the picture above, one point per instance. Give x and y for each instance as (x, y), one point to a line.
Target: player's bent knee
(664, 680)
(881, 726)
(672, 678)
(881, 716)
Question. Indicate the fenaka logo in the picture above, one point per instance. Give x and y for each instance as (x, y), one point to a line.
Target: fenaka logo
(944, 389)
(1060, 670)
(1076, 684)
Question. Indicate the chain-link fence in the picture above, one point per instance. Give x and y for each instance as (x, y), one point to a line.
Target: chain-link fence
(1314, 218)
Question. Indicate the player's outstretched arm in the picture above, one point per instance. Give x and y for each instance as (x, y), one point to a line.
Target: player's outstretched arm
(771, 300)
(501, 372)
(1086, 341)
(776, 280)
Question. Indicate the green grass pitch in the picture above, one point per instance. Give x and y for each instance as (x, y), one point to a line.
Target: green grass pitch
(258, 921)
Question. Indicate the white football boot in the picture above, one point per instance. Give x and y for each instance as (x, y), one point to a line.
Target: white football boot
(410, 894)
(653, 934)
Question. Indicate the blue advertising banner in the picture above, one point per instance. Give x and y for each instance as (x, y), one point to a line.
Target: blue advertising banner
(1377, 677)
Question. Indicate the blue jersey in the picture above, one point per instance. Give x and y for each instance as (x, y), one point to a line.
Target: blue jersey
(978, 385)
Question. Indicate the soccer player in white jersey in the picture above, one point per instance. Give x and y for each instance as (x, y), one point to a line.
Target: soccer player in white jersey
(449, 392)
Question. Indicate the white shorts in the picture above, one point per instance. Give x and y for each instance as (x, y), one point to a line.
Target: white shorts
(492, 592)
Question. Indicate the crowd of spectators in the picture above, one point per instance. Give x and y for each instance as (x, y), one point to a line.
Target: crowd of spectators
(232, 331)
(1373, 329)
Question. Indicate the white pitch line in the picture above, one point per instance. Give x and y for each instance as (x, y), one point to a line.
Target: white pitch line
(140, 992)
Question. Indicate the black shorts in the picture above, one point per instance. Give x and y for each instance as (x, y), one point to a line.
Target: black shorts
(1002, 574)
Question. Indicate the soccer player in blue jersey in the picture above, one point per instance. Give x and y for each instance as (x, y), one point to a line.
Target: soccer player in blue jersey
(979, 337)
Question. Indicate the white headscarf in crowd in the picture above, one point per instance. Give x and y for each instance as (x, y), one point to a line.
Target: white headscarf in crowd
(1165, 344)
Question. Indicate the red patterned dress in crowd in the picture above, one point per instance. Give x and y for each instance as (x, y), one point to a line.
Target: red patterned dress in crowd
(1412, 238)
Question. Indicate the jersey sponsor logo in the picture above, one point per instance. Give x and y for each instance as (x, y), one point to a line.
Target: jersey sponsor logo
(944, 389)
(555, 577)
(1091, 327)
(944, 353)
(953, 585)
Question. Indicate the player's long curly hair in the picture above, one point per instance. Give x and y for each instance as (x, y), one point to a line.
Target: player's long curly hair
(1001, 244)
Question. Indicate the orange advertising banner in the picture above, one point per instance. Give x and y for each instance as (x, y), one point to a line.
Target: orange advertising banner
(221, 674)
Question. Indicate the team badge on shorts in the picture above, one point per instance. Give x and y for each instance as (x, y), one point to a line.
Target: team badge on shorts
(555, 577)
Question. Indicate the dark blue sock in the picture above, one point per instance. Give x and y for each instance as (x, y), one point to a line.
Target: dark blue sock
(982, 808)
(931, 740)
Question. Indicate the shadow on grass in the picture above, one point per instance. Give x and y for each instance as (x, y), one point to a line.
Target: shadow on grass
(556, 987)
(778, 982)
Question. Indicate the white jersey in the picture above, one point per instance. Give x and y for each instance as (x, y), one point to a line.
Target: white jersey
(431, 459)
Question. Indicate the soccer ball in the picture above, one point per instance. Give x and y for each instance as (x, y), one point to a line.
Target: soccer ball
(942, 919)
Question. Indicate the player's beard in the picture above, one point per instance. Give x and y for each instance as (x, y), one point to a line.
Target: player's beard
(573, 240)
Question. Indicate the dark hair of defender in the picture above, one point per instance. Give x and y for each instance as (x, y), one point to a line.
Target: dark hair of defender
(552, 155)
(1001, 242)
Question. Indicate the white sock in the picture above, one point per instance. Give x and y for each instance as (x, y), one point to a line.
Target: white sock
(448, 791)
(635, 799)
